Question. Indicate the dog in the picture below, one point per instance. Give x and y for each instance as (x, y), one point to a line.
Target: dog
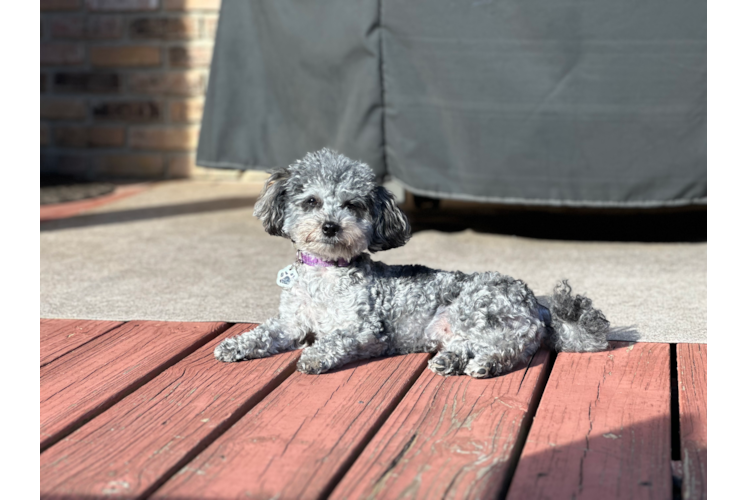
(340, 305)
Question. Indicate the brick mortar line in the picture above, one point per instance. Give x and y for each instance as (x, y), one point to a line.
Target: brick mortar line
(167, 111)
(125, 41)
(164, 46)
(128, 136)
(156, 126)
(127, 70)
(50, 14)
(90, 166)
(125, 90)
(121, 97)
(136, 42)
(88, 67)
(54, 15)
(127, 20)
(83, 8)
(165, 122)
(165, 160)
(98, 152)
(164, 105)
(98, 99)
(93, 152)
(171, 95)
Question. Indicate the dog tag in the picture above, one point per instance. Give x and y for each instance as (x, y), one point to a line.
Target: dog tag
(287, 277)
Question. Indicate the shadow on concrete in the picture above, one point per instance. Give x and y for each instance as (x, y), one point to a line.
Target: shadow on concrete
(146, 213)
(686, 224)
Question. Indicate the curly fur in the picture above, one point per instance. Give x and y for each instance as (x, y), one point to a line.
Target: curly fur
(479, 324)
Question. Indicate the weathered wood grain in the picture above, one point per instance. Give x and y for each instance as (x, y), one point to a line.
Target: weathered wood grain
(78, 386)
(299, 440)
(692, 403)
(449, 437)
(57, 337)
(602, 429)
(138, 443)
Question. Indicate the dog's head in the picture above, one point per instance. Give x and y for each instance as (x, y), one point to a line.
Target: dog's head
(331, 206)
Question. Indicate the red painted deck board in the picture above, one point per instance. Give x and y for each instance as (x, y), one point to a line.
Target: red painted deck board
(157, 416)
(448, 438)
(89, 379)
(57, 337)
(142, 440)
(302, 437)
(602, 429)
(692, 402)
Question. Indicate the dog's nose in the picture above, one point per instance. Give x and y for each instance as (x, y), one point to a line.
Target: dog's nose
(330, 229)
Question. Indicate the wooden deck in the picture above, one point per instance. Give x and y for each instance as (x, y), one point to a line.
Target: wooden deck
(142, 410)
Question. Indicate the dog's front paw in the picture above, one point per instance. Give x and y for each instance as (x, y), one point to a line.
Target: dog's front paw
(478, 368)
(227, 351)
(312, 365)
(445, 363)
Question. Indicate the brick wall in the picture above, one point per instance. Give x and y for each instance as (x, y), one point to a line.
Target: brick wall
(122, 85)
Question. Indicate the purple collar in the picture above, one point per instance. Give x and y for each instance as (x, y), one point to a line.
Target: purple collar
(310, 260)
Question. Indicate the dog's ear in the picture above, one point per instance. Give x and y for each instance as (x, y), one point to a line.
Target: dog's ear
(391, 227)
(271, 206)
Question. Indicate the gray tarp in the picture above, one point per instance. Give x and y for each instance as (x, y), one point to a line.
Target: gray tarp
(522, 101)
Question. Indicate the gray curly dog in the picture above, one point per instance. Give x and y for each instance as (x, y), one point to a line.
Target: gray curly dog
(340, 305)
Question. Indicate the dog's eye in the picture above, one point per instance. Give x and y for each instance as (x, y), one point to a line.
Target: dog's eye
(311, 202)
(353, 206)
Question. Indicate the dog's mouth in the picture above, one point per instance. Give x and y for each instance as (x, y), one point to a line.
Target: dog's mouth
(347, 242)
(325, 240)
(316, 239)
(329, 247)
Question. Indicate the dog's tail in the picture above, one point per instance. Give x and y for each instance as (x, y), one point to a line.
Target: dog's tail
(575, 325)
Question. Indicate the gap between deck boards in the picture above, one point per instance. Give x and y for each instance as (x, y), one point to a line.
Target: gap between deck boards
(676, 465)
(527, 424)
